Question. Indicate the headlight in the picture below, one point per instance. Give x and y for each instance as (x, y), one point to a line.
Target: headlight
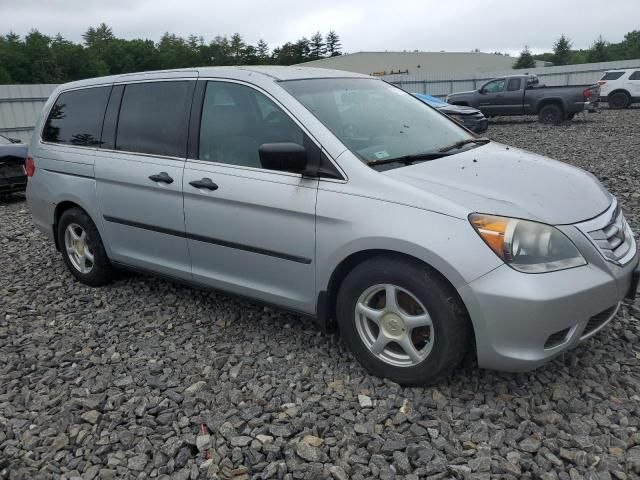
(528, 247)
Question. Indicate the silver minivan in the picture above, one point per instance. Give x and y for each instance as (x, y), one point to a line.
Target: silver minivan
(339, 197)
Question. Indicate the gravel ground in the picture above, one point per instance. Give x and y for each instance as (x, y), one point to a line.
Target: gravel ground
(148, 379)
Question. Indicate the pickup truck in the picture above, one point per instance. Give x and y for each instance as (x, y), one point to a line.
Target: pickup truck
(524, 95)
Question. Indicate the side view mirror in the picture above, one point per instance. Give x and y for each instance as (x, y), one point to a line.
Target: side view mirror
(283, 156)
(481, 91)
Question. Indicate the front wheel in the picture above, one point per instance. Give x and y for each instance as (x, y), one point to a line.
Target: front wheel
(550, 114)
(82, 248)
(402, 322)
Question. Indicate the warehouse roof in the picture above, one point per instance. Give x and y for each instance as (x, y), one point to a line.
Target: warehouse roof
(414, 63)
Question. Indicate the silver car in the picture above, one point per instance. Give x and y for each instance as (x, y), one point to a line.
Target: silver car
(339, 197)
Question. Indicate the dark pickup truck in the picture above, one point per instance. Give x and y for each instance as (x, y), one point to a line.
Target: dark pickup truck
(524, 95)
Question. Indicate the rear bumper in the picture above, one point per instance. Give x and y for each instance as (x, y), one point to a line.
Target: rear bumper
(592, 106)
(42, 212)
(522, 321)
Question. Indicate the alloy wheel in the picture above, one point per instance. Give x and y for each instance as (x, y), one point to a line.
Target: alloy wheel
(77, 248)
(394, 325)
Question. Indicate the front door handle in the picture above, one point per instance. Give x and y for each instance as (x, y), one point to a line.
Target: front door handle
(205, 183)
(162, 177)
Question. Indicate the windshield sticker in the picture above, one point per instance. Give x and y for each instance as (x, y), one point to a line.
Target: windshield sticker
(381, 154)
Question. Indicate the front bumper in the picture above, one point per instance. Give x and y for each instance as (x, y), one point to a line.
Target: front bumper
(12, 178)
(523, 320)
(477, 125)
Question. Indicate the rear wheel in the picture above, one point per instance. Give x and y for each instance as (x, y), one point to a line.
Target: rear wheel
(619, 100)
(82, 248)
(550, 114)
(402, 322)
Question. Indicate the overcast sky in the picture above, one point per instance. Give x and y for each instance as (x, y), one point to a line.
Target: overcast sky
(363, 25)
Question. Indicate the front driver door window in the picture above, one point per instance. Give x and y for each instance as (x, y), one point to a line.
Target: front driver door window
(490, 102)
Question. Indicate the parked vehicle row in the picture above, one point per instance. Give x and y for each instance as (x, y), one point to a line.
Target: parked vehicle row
(524, 95)
(337, 196)
(620, 88)
(12, 157)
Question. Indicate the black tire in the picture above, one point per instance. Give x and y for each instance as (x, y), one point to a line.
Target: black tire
(619, 100)
(570, 116)
(102, 272)
(451, 325)
(550, 114)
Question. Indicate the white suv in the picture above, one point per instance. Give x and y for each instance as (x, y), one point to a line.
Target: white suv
(620, 88)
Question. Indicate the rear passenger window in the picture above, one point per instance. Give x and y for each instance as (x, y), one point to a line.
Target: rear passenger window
(236, 120)
(76, 117)
(513, 84)
(612, 75)
(153, 118)
(635, 75)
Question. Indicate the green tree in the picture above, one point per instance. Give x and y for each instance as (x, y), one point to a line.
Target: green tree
(237, 49)
(525, 60)
(42, 68)
(262, 52)
(333, 45)
(317, 47)
(174, 52)
(13, 59)
(562, 51)
(98, 37)
(598, 51)
(631, 44)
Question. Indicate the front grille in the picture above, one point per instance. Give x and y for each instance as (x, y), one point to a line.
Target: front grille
(556, 339)
(598, 320)
(615, 239)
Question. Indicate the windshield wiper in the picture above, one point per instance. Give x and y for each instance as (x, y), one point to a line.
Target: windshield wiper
(408, 159)
(462, 143)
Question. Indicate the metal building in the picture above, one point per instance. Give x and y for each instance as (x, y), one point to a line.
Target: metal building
(416, 63)
(20, 107)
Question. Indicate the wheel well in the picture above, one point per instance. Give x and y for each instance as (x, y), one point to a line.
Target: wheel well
(544, 103)
(57, 214)
(328, 311)
(620, 90)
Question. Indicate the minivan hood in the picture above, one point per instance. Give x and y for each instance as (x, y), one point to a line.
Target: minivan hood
(501, 180)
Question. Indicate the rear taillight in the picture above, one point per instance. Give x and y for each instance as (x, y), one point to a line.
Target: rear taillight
(29, 166)
(587, 93)
(601, 82)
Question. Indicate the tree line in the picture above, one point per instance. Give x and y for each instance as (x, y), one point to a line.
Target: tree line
(38, 58)
(599, 51)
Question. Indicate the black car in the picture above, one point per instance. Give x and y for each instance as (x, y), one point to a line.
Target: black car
(12, 156)
(470, 117)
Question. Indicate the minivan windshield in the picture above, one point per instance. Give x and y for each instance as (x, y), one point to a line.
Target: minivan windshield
(378, 122)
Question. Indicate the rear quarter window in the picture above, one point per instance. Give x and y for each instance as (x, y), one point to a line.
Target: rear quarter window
(612, 75)
(76, 117)
(635, 75)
